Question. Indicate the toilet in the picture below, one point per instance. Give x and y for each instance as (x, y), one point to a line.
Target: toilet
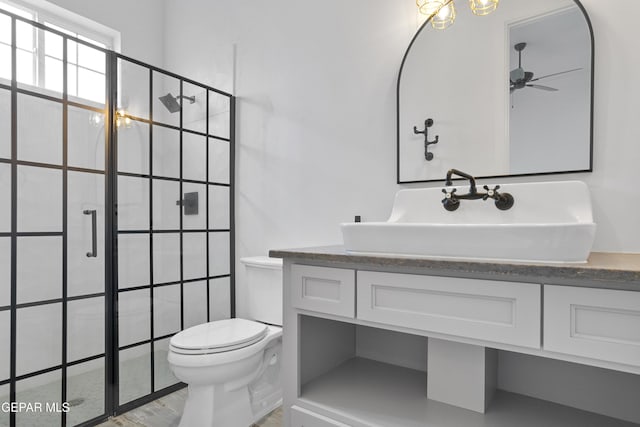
(232, 366)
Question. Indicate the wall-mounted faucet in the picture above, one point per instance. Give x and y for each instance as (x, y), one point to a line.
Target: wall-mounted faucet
(451, 201)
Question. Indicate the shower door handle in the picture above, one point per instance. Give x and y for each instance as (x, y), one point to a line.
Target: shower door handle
(94, 233)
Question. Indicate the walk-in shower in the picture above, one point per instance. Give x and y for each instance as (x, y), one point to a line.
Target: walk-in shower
(103, 254)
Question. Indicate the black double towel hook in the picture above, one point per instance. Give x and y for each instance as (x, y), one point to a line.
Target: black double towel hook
(427, 124)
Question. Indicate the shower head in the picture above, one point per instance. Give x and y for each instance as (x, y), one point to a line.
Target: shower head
(171, 102)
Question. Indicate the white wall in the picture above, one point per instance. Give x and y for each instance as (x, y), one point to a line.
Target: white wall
(316, 107)
(316, 113)
(140, 23)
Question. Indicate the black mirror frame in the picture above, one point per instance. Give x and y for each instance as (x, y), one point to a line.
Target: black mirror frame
(591, 111)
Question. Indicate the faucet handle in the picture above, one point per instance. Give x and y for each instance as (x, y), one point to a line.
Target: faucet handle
(492, 193)
(450, 201)
(448, 194)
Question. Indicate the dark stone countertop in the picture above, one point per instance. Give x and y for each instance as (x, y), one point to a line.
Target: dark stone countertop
(602, 270)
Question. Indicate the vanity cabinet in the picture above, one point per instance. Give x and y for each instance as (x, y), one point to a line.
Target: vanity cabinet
(395, 346)
(595, 323)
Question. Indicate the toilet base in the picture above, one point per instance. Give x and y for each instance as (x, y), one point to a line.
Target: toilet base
(211, 406)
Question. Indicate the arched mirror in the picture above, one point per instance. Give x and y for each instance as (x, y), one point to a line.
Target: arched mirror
(507, 94)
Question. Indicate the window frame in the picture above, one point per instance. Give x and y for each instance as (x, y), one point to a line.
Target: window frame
(106, 39)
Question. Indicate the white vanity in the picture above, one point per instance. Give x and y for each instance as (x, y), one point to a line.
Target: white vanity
(375, 340)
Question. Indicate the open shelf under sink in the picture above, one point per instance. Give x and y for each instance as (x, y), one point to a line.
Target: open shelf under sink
(379, 394)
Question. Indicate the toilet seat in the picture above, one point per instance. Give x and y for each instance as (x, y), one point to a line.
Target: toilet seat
(218, 337)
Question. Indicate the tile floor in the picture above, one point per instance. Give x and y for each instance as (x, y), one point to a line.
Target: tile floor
(166, 411)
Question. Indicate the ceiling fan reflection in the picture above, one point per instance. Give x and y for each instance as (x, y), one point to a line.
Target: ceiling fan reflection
(520, 79)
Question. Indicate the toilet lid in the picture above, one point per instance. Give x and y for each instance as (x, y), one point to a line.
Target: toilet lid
(219, 336)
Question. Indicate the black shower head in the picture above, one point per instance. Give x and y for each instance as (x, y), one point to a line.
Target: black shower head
(170, 102)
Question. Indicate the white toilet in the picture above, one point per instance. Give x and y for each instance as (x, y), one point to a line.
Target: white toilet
(232, 366)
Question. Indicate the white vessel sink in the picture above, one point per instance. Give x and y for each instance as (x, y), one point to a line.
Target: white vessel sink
(549, 222)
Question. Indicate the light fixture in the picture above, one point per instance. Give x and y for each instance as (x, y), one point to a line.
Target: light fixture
(122, 118)
(483, 7)
(442, 13)
(445, 17)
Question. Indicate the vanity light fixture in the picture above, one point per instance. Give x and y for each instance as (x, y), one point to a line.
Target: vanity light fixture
(483, 7)
(442, 13)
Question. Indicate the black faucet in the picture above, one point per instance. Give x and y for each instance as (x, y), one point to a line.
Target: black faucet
(451, 201)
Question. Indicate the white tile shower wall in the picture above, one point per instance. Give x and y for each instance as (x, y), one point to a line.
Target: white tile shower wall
(5, 197)
(218, 253)
(134, 320)
(194, 159)
(166, 258)
(195, 302)
(5, 123)
(5, 347)
(39, 192)
(38, 344)
(218, 161)
(39, 268)
(219, 295)
(133, 148)
(85, 138)
(42, 143)
(133, 260)
(194, 249)
(166, 152)
(133, 203)
(219, 214)
(166, 214)
(166, 310)
(85, 328)
(5, 271)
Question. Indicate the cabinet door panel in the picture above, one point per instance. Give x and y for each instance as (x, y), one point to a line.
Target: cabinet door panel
(503, 312)
(323, 289)
(596, 323)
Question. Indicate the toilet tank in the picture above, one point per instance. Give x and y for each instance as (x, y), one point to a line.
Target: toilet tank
(264, 288)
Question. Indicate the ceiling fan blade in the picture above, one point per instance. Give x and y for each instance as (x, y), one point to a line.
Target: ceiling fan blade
(547, 88)
(556, 74)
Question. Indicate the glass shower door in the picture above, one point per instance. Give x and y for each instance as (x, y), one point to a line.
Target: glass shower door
(52, 226)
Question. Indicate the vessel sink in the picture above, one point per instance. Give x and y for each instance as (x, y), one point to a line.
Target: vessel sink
(549, 222)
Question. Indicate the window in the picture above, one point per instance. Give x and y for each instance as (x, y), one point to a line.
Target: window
(39, 54)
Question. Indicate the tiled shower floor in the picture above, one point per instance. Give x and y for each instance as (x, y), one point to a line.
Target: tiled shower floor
(89, 386)
(87, 389)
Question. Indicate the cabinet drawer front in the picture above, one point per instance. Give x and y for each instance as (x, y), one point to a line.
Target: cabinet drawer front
(503, 312)
(596, 323)
(322, 289)
(303, 418)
